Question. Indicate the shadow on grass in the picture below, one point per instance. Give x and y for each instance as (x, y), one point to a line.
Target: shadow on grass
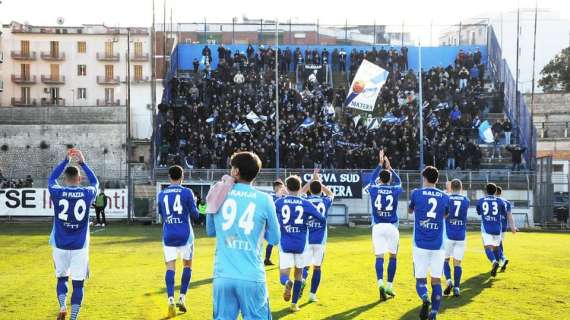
(354, 312)
(193, 284)
(469, 290)
(285, 311)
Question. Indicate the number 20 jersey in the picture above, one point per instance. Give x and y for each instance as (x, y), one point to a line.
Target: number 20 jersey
(430, 206)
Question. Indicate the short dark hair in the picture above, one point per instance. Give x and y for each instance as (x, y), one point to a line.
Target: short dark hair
(315, 187)
(456, 185)
(248, 164)
(385, 176)
(491, 189)
(293, 183)
(175, 172)
(499, 191)
(431, 174)
(277, 183)
(71, 172)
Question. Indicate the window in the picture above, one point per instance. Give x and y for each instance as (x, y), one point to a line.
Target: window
(558, 168)
(138, 49)
(25, 47)
(108, 49)
(108, 71)
(25, 71)
(109, 95)
(25, 95)
(54, 48)
(81, 93)
(81, 46)
(54, 71)
(138, 72)
(81, 70)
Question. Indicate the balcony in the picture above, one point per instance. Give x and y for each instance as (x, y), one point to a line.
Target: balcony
(108, 57)
(25, 79)
(1, 56)
(105, 102)
(19, 55)
(108, 80)
(140, 80)
(23, 102)
(139, 57)
(46, 102)
(53, 79)
(53, 56)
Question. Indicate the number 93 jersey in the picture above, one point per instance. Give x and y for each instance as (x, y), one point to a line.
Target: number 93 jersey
(430, 206)
(71, 220)
(175, 205)
(318, 230)
(293, 213)
(491, 208)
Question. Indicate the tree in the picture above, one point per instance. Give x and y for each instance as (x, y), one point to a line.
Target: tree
(556, 74)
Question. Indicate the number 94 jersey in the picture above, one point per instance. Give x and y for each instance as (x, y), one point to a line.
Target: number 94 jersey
(491, 208)
(430, 206)
(175, 205)
(71, 219)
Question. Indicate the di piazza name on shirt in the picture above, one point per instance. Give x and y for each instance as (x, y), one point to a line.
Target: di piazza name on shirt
(76, 194)
(432, 193)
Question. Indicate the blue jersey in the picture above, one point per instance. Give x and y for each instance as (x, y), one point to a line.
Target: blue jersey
(384, 198)
(317, 229)
(244, 219)
(430, 205)
(508, 208)
(71, 209)
(293, 213)
(491, 208)
(175, 205)
(456, 221)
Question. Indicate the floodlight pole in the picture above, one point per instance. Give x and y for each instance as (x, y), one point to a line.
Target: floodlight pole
(420, 105)
(277, 145)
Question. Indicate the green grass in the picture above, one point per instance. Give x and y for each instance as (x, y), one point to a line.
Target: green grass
(127, 273)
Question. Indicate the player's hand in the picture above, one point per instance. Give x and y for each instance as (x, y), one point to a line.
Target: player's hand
(514, 230)
(448, 186)
(387, 163)
(316, 174)
(381, 157)
(70, 153)
(79, 156)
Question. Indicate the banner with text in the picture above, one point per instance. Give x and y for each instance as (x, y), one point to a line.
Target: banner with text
(342, 184)
(37, 202)
(365, 87)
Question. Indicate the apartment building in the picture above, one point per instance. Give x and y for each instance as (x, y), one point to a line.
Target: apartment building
(51, 66)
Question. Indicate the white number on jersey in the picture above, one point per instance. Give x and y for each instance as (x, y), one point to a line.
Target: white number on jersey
(299, 210)
(485, 206)
(78, 210)
(457, 204)
(431, 212)
(229, 212)
(321, 208)
(177, 207)
(389, 206)
(286, 213)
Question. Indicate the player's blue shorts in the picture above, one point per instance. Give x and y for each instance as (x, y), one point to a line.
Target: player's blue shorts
(234, 296)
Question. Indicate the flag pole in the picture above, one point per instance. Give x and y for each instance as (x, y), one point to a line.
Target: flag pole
(277, 146)
(420, 105)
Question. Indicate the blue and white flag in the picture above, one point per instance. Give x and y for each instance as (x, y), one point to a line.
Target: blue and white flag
(485, 132)
(253, 117)
(355, 120)
(242, 128)
(365, 87)
(309, 122)
(373, 124)
(210, 120)
(389, 118)
(221, 136)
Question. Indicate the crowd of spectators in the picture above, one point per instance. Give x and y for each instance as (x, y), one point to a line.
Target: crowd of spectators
(7, 183)
(216, 112)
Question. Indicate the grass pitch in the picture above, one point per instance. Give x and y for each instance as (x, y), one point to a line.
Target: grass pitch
(127, 278)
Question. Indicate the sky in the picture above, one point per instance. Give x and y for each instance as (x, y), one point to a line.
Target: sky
(418, 15)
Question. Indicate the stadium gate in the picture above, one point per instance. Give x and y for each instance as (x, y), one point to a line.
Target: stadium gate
(543, 191)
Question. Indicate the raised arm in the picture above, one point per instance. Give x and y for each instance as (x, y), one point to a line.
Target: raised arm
(379, 168)
(327, 191)
(315, 177)
(57, 171)
(273, 231)
(396, 181)
(93, 182)
(314, 212)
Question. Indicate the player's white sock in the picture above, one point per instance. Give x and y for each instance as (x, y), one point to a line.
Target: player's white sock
(170, 300)
(380, 283)
(449, 282)
(182, 297)
(389, 285)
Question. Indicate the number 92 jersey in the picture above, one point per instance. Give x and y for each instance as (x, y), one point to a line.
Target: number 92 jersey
(71, 220)
(430, 206)
(491, 209)
(175, 204)
(318, 230)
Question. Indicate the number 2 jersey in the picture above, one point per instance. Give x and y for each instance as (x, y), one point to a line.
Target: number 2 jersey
(175, 206)
(456, 221)
(430, 206)
(318, 230)
(491, 209)
(384, 198)
(293, 213)
(71, 209)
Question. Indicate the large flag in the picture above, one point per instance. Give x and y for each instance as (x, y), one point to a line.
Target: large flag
(485, 132)
(374, 124)
(253, 117)
(366, 86)
(309, 122)
(242, 128)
